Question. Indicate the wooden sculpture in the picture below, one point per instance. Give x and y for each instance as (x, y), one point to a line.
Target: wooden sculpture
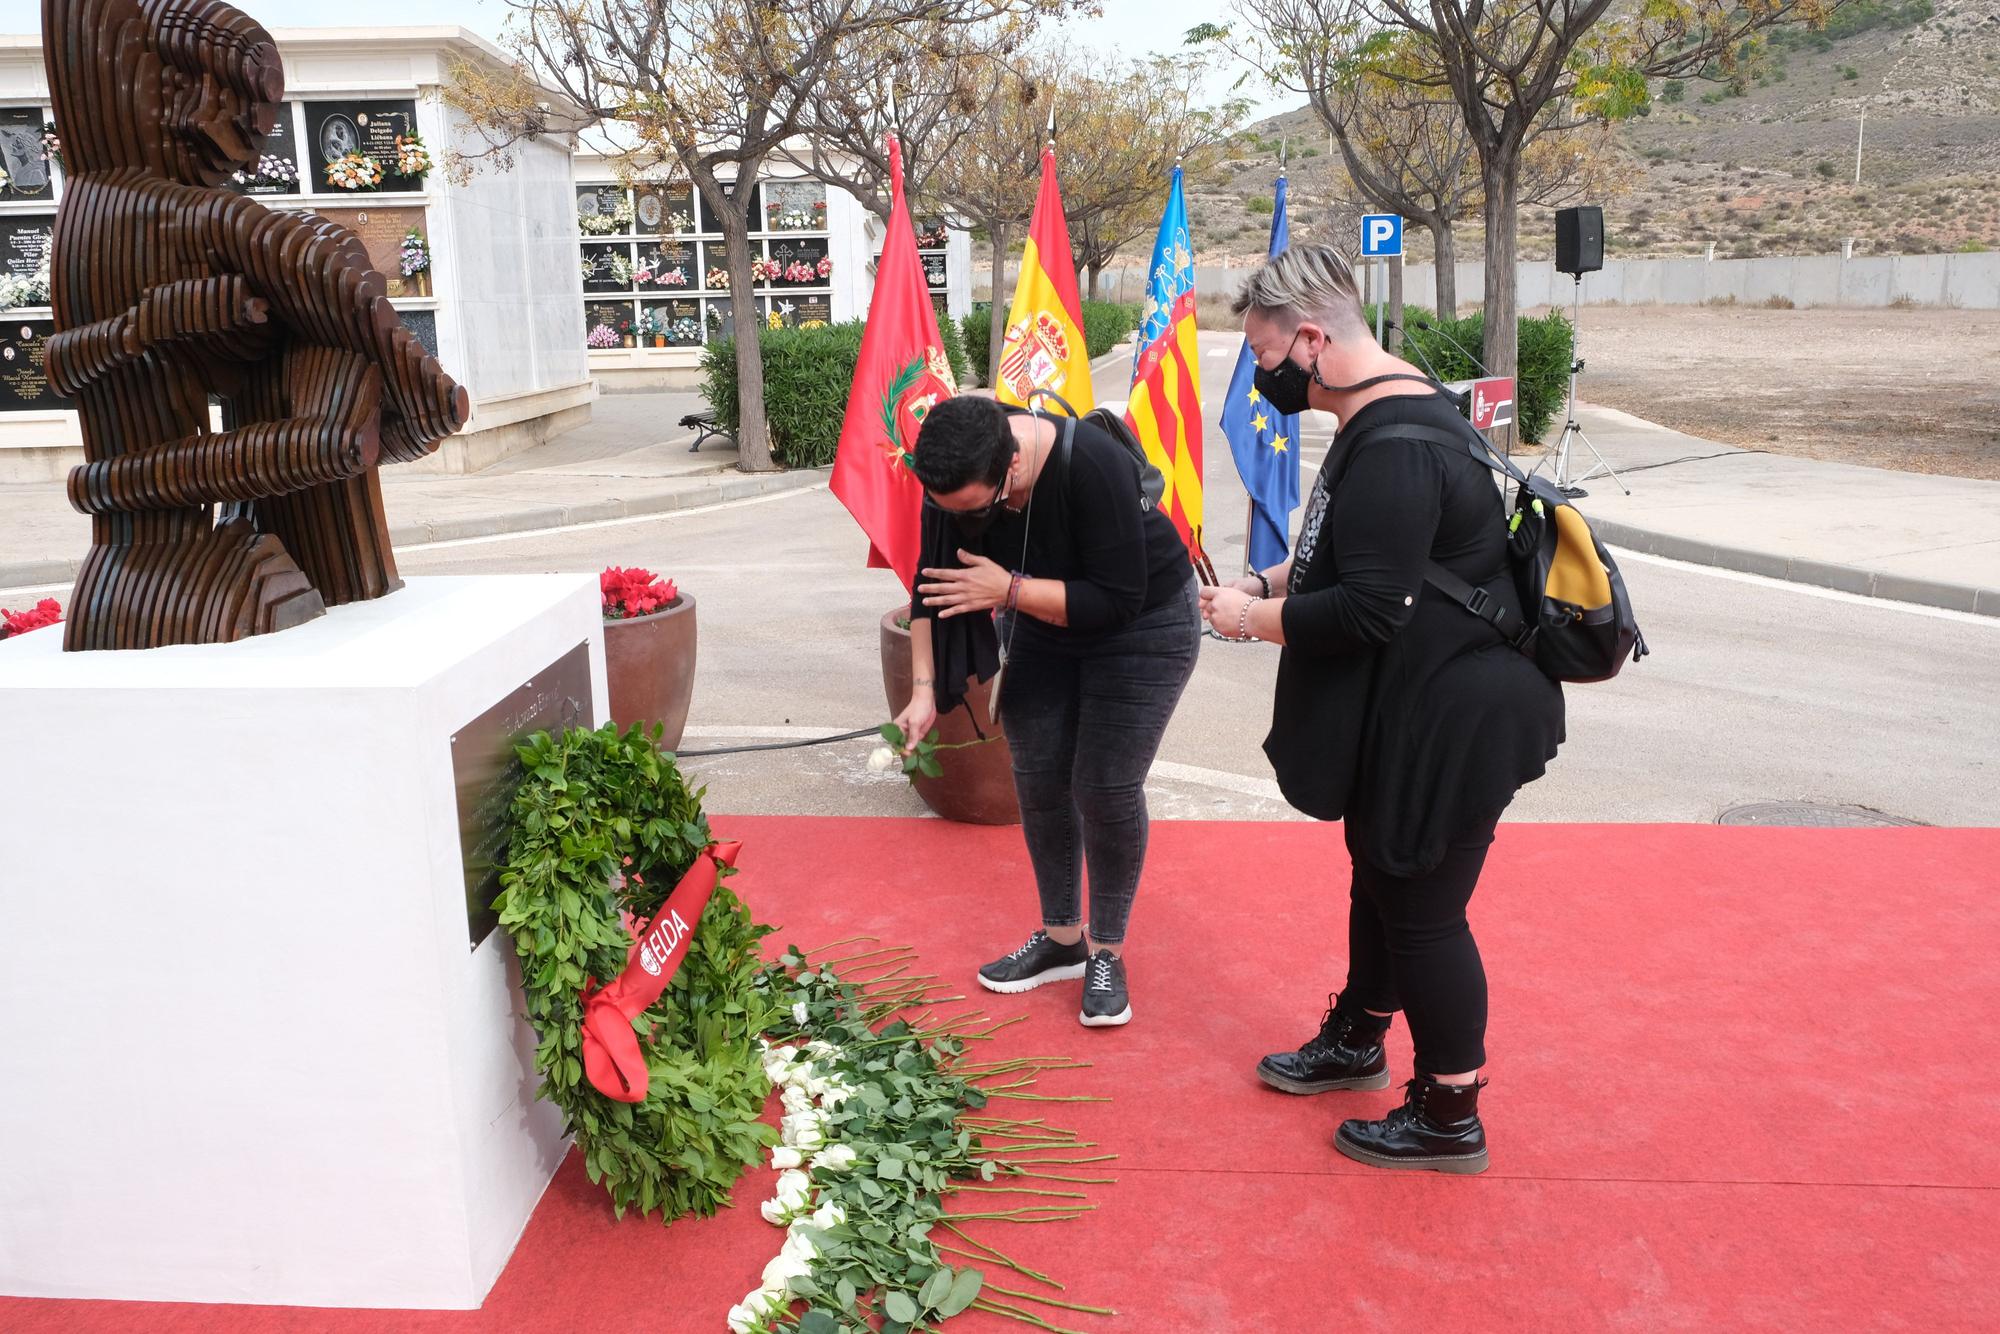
(167, 290)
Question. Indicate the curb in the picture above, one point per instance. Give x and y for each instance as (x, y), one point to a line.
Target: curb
(28, 574)
(1819, 574)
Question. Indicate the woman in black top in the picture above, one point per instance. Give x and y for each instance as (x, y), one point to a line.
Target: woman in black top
(1396, 710)
(1096, 603)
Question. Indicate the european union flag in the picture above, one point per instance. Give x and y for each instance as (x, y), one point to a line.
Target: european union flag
(1264, 444)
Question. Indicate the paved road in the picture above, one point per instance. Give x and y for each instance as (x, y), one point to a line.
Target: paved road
(1756, 690)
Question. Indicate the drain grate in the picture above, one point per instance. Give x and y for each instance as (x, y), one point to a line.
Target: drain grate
(1812, 814)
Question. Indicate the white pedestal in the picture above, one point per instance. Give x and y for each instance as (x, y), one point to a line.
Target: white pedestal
(247, 1052)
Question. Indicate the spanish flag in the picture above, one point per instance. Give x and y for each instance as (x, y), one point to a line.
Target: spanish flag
(1165, 408)
(1044, 347)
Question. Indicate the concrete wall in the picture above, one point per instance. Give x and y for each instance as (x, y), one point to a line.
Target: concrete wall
(1969, 282)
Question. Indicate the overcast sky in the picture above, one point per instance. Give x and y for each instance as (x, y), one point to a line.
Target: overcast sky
(1128, 28)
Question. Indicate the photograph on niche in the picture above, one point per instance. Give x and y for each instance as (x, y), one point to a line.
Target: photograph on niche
(23, 155)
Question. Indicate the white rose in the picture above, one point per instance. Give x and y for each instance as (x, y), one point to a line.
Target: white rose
(806, 1137)
(741, 1319)
(834, 1158)
(819, 1049)
(830, 1216)
(782, 1270)
(799, 1243)
(775, 1212)
(794, 1185)
(835, 1094)
(785, 1158)
(796, 1100)
(882, 759)
(768, 1300)
(799, 1012)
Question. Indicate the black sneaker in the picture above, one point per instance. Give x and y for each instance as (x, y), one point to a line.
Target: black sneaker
(1040, 960)
(1105, 1000)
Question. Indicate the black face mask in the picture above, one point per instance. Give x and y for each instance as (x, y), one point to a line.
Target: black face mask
(1286, 385)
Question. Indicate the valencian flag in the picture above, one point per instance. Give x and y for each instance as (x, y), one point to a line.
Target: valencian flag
(1165, 407)
(1044, 347)
(903, 371)
(1264, 443)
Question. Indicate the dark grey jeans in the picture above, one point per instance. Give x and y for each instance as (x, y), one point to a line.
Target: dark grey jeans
(1084, 719)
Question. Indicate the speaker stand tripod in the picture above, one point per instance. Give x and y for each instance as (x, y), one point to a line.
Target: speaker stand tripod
(1572, 429)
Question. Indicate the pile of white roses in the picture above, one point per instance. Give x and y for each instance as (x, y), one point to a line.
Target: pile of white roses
(810, 1086)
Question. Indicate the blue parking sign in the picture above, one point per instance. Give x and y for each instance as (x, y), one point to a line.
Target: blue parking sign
(1381, 235)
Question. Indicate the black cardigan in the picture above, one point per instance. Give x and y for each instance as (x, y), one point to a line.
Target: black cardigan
(1396, 708)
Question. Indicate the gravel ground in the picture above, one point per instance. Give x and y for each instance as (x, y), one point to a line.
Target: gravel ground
(1910, 389)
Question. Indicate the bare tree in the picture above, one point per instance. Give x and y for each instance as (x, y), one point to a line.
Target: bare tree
(1507, 64)
(989, 178)
(711, 89)
(1121, 142)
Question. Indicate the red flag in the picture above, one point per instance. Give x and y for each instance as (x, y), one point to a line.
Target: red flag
(903, 371)
(612, 1059)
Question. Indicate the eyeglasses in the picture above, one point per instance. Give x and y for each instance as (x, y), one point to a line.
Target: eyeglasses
(982, 512)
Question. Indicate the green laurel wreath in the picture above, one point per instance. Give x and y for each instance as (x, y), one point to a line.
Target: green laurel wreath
(906, 380)
(603, 821)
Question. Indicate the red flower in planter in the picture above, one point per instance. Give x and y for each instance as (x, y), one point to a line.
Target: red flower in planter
(46, 612)
(634, 592)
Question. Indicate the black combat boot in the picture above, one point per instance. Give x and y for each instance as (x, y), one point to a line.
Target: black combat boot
(1435, 1130)
(1347, 1054)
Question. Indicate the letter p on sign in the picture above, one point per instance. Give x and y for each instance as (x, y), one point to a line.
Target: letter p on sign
(1381, 236)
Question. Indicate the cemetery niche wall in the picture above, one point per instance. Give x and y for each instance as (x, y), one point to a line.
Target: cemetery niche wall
(478, 271)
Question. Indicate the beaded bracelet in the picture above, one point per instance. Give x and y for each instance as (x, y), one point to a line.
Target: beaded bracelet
(1264, 581)
(1014, 591)
(1243, 621)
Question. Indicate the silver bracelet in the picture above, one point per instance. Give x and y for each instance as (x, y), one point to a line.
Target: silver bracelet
(1243, 621)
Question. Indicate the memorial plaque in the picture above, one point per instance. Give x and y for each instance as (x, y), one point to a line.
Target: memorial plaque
(486, 772)
(614, 317)
(711, 221)
(335, 129)
(663, 210)
(601, 202)
(23, 385)
(423, 326)
(607, 268)
(801, 262)
(29, 174)
(382, 231)
(669, 266)
(794, 206)
(279, 158)
(24, 244)
(680, 321)
(935, 274)
(719, 317)
(807, 311)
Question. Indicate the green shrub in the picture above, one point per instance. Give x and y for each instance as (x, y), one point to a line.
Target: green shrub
(1259, 204)
(1106, 324)
(954, 350)
(1673, 90)
(1541, 378)
(976, 334)
(807, 375)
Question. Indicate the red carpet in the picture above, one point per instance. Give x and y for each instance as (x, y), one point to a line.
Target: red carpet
(1742, 1079)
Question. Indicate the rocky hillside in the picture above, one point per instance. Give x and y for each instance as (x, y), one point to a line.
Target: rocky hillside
(1763, 165)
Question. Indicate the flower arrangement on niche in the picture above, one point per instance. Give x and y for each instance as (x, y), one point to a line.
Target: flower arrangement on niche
(601, 336)
(52, 146)
(270, 170)
(356, 171)
(622, 269)
(763, 270)
(414, 255)
(412, 158)
(605, 224)
(716, 280)
(27, 289)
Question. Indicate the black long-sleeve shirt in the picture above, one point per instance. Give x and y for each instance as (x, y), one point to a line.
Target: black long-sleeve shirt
(1087, 529)
(1396, 708)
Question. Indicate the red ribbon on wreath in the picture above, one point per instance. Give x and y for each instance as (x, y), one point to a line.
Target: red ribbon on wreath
(612, 1058)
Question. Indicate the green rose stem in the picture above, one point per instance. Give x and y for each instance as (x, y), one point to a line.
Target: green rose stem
(1047, 1301)
(1016, 1313)
(999, 1257)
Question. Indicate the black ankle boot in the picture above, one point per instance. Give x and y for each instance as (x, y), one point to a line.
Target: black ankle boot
(1347, 1054)
(1436, 1130)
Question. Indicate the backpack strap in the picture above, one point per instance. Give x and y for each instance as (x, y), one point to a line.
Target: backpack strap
(1504, 619)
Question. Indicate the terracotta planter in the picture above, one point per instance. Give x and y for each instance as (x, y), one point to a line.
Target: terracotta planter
(649, 666)
(977, 786)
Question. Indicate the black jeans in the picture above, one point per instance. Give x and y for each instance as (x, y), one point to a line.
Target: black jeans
(1084, 719)
(1410, 948)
